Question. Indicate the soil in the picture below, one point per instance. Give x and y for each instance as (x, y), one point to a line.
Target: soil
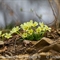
(16, 46)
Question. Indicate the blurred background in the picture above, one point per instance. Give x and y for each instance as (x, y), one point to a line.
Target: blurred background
(15, 12)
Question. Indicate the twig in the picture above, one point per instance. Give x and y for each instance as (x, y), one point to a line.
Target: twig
(53, 14)
(58, 7)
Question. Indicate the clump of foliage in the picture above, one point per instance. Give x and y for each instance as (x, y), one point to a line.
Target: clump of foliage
(9, 35)
(28, 30)
(33, 30)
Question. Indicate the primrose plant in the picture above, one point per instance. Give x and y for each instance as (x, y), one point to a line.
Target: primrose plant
(15, 30)
(9, 35)
(28, 30)
(33, 30)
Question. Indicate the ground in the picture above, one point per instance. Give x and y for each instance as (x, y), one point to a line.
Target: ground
(48, 48)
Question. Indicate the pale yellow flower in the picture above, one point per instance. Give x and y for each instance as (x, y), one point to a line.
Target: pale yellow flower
(7, 35)
(0, 32)
(41, 24)
(15, 29)
(38, 30)
(24, 35)
(30, 24)
(47, 28)
(27, 25)
(30, 31)
(31, 21)
(35, 24)
(24, 26)
(3, 35)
